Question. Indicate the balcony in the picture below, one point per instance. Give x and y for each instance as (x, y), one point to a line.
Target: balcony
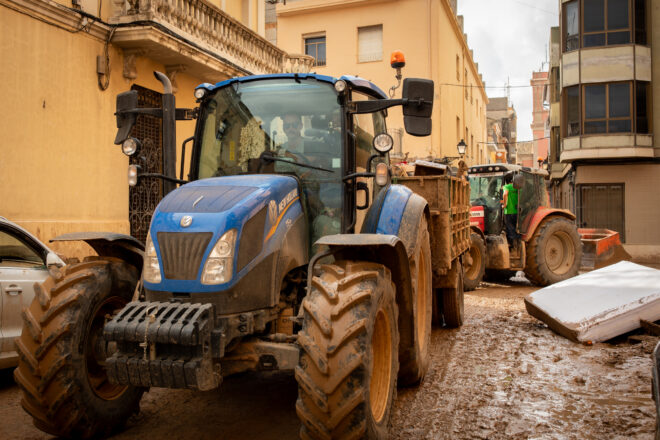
(610, 146)
(195, 37)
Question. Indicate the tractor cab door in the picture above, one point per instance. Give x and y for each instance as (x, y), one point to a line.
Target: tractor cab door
(531, 195)
(365, 127)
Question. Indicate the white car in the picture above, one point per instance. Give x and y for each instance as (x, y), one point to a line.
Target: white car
(24, 261)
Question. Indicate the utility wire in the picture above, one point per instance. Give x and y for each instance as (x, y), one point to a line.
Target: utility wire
(509, 143)
(555, 13)
(492, 87)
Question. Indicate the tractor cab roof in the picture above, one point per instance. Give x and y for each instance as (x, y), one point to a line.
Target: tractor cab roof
(354, 81)
(504, 168)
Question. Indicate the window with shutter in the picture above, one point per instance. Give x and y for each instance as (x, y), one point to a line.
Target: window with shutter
(370, 43)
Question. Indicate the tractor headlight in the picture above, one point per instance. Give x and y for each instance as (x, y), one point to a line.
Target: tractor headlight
(383, 143)
(219, 264)
(130, 146)
(151, 270)
(199, 93)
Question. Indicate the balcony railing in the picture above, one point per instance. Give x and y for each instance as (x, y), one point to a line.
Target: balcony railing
(208, 30)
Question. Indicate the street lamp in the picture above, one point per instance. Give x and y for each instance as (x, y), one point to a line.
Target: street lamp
(461, 148)
(449, 159)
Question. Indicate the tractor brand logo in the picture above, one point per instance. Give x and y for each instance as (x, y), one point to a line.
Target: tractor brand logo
(287, 199)
(186, 221)
(272, 211)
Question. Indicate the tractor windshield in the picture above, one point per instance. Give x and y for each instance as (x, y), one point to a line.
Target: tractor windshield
(282, 125)
(486, 187)
(295, 120)
(486, 191)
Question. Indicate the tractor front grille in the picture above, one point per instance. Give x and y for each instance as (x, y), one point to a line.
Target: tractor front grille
(182, 253)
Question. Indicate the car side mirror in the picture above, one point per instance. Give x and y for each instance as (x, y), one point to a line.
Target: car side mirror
(126, 103)
(53, 260)
(418, 106)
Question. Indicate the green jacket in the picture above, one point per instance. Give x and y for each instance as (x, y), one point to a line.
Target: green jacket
(511, 199)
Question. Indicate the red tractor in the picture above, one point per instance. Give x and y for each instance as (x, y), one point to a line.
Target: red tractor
(549, 249)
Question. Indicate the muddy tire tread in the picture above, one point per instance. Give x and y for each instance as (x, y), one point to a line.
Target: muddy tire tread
(471, 284)
(535, 268)
(415, 365)
(45, 372)
(329, 404)
(453, 306)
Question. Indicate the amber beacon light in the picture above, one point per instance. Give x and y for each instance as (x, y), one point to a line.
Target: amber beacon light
(397, 61)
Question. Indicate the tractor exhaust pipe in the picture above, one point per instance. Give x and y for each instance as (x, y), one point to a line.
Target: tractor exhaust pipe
(169, 132)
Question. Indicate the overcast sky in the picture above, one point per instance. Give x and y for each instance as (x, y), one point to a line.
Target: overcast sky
(509, 39)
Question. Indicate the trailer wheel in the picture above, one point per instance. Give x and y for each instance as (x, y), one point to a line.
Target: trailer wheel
(62, 352)
(476, 265)
(413, 369)
(349, 359)
(452, 297)
(554, 253)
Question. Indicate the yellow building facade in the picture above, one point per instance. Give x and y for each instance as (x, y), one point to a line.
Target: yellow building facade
(358, 37)
(63, 63)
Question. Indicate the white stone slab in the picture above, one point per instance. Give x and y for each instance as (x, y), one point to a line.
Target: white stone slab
(599, 305)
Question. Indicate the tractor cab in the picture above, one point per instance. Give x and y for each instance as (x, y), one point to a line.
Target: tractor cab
(486, 194)
(291, 125)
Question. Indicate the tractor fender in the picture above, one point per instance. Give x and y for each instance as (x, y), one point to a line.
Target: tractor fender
(541, 214)
(389, 251)
(110, 244)
(479, 232)
(397, 210)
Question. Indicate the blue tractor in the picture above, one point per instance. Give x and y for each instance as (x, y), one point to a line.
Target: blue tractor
(288, 248)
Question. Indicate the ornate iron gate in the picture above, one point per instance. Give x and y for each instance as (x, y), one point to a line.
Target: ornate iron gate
(143, 198)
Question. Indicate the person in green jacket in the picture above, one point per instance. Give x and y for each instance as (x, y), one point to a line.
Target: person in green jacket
(510, 203)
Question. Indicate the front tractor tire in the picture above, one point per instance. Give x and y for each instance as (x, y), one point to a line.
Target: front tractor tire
(349, 358)
(475, 265)
(62, 351)
(554, 253)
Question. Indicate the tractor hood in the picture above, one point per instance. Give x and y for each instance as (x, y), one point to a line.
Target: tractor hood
(188, 222)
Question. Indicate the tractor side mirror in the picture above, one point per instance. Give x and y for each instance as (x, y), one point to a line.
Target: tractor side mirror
(127, 102)
(418, 106)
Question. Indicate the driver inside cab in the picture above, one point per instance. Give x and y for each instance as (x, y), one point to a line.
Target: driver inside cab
(292, 125)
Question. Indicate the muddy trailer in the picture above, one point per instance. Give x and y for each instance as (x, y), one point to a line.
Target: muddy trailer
(448, 199)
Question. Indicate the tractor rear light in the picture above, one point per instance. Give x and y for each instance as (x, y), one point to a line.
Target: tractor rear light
(219, 264)
(133, 175)
(151, 272)
(382, 174)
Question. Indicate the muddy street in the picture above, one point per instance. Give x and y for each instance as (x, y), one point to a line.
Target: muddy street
(502, 375)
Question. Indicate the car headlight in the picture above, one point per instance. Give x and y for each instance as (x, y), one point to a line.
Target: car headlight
(219, 264)
(151, 270)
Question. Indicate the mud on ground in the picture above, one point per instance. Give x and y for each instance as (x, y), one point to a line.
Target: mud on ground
(503, 375)
(507, 376)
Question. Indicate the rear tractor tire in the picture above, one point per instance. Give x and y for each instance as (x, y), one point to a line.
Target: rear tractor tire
(416, 362)
(476, 262)
(62, 351)
(554, 253)
(349, 359)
